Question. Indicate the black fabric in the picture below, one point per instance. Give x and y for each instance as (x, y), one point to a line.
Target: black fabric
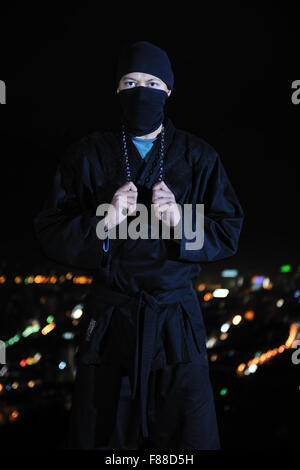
(180, 410)
(159, 327)
(142, 109)
(146, 270)
(142, 56)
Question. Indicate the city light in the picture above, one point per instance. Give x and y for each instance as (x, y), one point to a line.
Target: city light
(68, 335)
(240, 369)
(48, 328)
(252, 368)
(34, 328)
(82, 280)
(201, 287)
(249, 315)
(285, 268)
(264, 357)
(279, 303)
(267, 283)
(14, 415)
(225, 327)
(220, 293)
(211, 342)
(257, 280)
(77, 312)
(229, 273)
(208, 296)
(248, 326)
(236, 319)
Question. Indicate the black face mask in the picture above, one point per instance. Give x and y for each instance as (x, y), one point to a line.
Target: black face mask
(143, 109)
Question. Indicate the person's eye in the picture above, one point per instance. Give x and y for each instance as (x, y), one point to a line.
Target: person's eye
(153, 84)
(129, 83)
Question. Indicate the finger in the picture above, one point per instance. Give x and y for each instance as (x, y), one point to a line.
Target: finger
(130, 196)
(158, 186)
(127, 197)
(163, 200)
(165, 207)
(131, 208)
(163, 195)
(160, 192)
(162, 185)
(130, 186)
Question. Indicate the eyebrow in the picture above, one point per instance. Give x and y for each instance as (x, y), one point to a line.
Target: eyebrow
(135, 80)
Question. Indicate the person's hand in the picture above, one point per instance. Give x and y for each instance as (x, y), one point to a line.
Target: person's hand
(123, 203)
(165, 206)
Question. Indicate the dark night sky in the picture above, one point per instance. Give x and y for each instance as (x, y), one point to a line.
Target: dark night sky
(233, 74)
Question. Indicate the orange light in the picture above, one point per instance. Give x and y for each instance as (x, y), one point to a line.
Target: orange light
(82, 280)
(207, 296)
(48, 328)
(201, 287)
(18, 279)
(223, 336)
(273, 352)
(1, 388)
(292, 335)
(249, 315)
(2, 279)
(53, 279)
(23, 363)
(13, 415)
(240, 369)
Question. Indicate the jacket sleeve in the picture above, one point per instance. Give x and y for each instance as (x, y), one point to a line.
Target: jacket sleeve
(66, 225)
(223, 214)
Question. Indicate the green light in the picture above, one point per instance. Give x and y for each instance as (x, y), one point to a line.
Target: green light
(50, 319)
(27, 331)
(223, 391)
(30, 329)
(16, 338)
(285, 268)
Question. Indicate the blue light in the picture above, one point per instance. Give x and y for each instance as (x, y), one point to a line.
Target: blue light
(62, 365)
(229, 273)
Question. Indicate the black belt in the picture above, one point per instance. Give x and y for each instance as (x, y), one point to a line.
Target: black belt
(164, 302)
